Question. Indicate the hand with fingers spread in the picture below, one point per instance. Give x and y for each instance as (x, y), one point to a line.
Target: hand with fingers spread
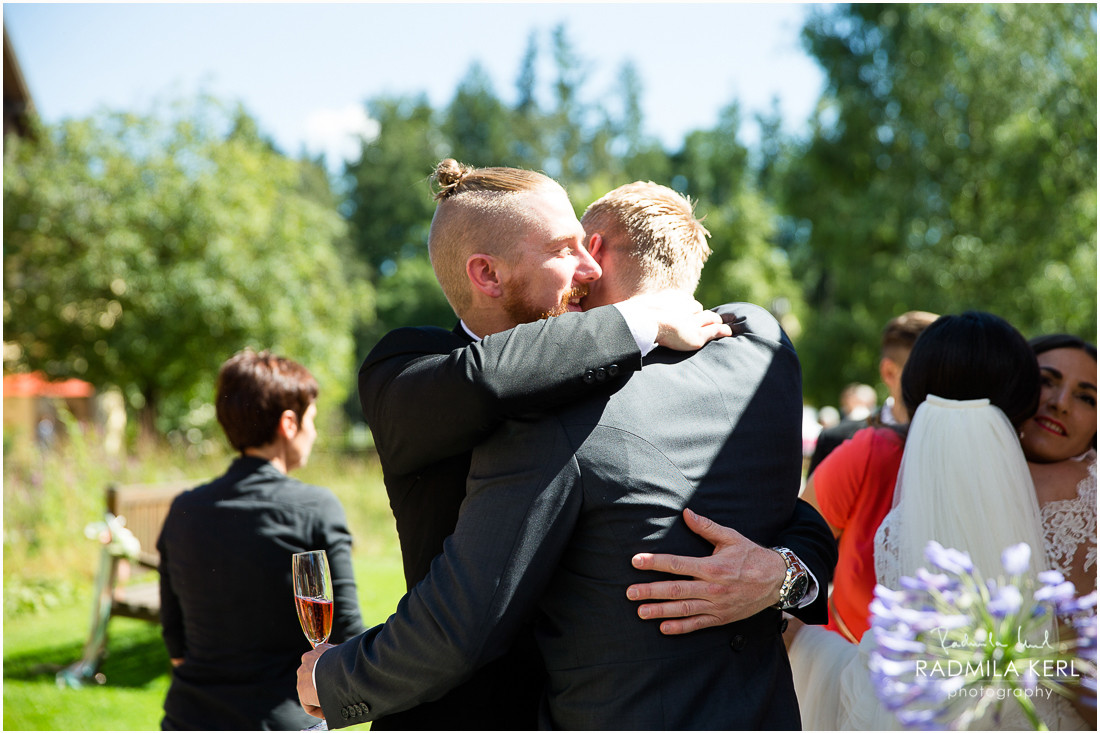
(682, 323)
(738, 580)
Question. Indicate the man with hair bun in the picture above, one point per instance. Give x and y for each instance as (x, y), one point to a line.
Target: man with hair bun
(576, 467)
(508, 252)
(227, 600)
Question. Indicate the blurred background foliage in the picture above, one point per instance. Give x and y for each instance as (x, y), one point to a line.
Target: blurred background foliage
(950, 164)
(141, 251)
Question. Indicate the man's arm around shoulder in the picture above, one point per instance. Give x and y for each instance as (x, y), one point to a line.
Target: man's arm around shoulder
(469, 388)
(519, 514)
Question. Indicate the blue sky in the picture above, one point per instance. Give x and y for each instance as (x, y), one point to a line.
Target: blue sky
(304, 70)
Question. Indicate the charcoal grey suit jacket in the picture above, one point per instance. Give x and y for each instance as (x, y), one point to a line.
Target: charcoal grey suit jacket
(555, 508)
(430, 396)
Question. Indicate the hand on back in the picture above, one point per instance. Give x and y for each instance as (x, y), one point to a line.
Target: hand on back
(682, 323)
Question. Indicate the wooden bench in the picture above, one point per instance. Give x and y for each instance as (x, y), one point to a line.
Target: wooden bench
(142, 508)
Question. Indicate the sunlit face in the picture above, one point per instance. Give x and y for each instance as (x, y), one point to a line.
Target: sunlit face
(553, 269)
(302, 443)
(1065, 423)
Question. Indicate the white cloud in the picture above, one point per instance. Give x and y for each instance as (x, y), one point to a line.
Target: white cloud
(338, 132)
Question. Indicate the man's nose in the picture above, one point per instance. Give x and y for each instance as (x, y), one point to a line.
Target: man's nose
(587, 268)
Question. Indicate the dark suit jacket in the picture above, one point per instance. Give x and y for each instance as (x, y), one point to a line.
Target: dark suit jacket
(227, 600)
(556, 508)
(429, 401)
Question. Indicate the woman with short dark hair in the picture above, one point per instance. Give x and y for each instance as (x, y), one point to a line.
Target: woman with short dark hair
(227, 600)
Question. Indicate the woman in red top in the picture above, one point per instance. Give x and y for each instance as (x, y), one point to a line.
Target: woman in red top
(853, 488)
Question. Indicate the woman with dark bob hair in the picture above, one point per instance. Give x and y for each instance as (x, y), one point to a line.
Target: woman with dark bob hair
(969, 356)
(227, 600)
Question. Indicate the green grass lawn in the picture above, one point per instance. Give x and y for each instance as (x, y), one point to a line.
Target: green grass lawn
(48, 576)
(37, 645)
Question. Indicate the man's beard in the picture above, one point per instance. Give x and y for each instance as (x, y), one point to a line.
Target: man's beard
(521, 310)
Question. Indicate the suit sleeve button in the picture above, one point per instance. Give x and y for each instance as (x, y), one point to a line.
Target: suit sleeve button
(601, 375)
(613, 370)
(589, 377)
(738, 643)
(344, 712)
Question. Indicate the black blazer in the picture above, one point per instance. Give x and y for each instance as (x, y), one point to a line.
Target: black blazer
(556, 507)
(227, 600)
(429, 401)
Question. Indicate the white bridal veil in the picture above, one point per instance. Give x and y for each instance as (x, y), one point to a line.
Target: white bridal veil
(963, 482)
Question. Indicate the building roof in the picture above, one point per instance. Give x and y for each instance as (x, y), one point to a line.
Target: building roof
(17, 95)
(35, 384)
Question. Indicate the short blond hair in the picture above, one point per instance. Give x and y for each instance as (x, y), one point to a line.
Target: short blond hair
(656, 227)
(480, 210)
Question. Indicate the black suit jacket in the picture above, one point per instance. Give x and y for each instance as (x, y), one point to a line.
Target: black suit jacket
(804, 532)
(227, 600)
(556, 508)
(429, 401)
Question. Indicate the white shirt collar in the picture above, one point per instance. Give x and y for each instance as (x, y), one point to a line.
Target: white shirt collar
(886, 415)
(469, 333)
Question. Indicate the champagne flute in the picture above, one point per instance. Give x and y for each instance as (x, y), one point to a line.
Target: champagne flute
(313, 594)
(313, 599)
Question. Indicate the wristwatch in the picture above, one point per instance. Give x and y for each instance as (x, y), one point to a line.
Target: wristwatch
(795, 583)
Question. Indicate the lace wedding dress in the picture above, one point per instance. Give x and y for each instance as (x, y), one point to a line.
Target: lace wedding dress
(963, 482)
(1069, 525)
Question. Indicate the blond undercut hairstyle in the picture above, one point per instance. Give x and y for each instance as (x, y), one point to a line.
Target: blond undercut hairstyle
(479, 211)
(666, 246)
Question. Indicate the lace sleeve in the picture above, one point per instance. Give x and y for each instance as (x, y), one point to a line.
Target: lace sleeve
(1070, 523)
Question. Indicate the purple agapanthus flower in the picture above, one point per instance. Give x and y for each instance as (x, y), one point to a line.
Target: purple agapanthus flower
(945, 638)
(949, 559)
(1016, 559)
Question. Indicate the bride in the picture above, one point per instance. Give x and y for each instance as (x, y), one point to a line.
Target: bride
(970, 383)
(1060, 445)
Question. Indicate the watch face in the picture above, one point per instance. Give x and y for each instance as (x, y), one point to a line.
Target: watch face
(799, 585)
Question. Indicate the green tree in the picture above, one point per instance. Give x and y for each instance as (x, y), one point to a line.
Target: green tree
(528, 145)
(390, 209)
(477, 123)
(952, 165)
(141, 253)
(640, 156)
(712, 168)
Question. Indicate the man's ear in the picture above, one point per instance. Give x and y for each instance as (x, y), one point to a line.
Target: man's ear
(483, 274)
(288, 425)
(889, 372)
(595, 247)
